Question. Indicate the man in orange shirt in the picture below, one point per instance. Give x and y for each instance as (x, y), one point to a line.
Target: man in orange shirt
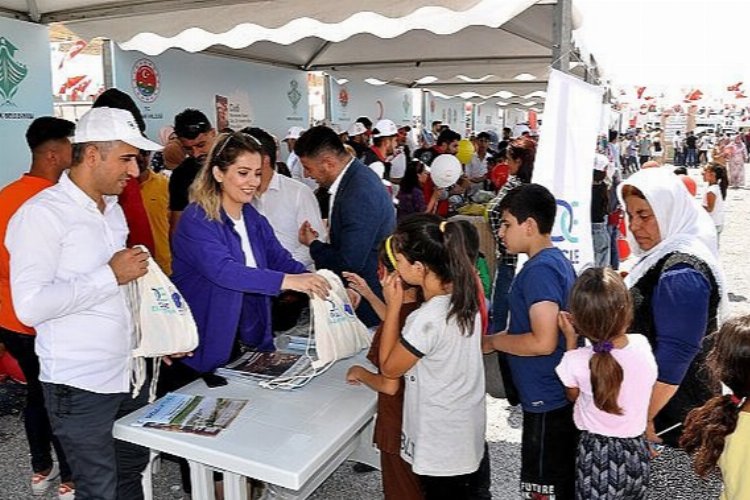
(155, 194)
(48, 139)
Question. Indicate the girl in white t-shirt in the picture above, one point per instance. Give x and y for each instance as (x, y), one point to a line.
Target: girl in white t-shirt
(439, 354)
(611, 383)
(713, 201)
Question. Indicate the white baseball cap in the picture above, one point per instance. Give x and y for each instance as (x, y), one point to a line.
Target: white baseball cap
(111, 124)
(385, 128)
(356, 128)
(293, 133)
(445, 170)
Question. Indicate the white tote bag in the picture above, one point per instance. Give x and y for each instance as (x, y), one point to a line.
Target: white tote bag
(338, 332)
(335, 329)
(162, 321)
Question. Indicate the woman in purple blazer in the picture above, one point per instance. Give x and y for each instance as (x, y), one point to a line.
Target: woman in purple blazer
(226, 260)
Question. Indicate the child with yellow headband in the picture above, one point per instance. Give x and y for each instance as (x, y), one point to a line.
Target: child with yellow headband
(438, 352)
(399, 482)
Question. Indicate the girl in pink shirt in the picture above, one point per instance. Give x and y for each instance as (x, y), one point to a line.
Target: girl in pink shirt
(610, 381)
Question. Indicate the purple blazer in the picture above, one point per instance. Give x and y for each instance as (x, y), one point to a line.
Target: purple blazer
(226, 297)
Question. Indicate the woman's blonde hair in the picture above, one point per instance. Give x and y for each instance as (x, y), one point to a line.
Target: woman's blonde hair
(206, 190)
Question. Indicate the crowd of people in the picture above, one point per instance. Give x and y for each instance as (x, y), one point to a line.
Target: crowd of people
(606, 369)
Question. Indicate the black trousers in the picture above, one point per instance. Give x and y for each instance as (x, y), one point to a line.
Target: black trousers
(548, 454)
(35, 419)
(103, 468)
(474, 486)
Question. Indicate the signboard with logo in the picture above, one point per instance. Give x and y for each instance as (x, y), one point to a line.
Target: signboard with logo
(565, 160)
(449, 111)
(351, 100)
(25, 90)
(488, 117)
(230, 92)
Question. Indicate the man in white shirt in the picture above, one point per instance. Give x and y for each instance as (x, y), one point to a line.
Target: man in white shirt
(476, 169)
(285, 202)
(292, 161)
(68, 268)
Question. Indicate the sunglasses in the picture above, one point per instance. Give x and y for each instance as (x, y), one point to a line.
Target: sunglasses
(198, 127)
(233, 136)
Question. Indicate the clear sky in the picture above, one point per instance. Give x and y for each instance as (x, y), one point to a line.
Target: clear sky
(670, 42)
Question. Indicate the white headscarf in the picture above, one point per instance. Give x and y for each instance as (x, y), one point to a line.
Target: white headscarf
(683, 224)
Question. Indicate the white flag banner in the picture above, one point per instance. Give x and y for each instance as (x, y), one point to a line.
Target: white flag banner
(565, 161)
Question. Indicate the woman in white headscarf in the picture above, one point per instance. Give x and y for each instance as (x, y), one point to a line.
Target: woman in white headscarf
(678, 292)
(736, 162)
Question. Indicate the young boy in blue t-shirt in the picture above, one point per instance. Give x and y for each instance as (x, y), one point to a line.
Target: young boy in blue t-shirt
(535, 345)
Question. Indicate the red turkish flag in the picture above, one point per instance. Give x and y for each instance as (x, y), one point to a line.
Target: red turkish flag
(735, 87)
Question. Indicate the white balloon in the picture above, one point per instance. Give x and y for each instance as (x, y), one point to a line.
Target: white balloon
(445, 170)
(398, 166)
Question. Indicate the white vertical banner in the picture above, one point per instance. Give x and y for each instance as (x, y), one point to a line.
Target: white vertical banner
(565, 160)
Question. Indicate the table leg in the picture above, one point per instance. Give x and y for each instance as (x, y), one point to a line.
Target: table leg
(366, 452)
(202, 481)
(235, 486)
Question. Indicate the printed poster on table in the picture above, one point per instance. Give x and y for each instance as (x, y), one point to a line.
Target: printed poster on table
(565, 160)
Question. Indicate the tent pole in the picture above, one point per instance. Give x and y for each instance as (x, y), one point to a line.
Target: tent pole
(108, 57)
(562, 28)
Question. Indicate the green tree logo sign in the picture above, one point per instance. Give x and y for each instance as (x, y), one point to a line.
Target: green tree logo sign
(12, 72)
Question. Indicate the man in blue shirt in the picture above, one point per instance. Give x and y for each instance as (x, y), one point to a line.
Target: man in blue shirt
(535, 345)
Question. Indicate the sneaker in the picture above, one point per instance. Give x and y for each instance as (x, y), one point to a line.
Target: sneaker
(40, 483)
(66, 492)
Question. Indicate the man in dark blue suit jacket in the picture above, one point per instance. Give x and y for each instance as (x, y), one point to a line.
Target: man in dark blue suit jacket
(361, 213)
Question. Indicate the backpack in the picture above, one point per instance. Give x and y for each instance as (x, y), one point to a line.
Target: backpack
(336, 331)
(162, 322)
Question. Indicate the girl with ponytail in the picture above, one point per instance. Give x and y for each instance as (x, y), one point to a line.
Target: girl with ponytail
(718, 433)
(439, 354)
(610, 381)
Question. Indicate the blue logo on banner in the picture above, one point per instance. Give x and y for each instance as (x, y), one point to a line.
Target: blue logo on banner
(565, 222)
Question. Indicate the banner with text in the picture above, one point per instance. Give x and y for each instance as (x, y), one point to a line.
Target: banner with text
(232, 93)
(25, 90)
(565, 160)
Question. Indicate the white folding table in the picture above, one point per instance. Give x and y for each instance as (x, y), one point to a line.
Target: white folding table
(293, 439)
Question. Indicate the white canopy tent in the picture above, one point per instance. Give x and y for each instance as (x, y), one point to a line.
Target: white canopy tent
(475, 49)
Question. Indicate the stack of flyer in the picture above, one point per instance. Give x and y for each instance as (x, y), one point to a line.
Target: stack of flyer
(202, 415)
(259, 366)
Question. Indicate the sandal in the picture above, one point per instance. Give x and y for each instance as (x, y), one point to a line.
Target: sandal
(40, 483)
(66, 492)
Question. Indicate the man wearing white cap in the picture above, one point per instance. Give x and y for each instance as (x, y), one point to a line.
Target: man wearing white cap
(68, 268)
(292, 161)
(384, 142)
(357, 133)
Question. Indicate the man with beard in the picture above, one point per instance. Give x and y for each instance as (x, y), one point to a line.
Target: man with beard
(196, 135)
(68, 265)
(361, 212)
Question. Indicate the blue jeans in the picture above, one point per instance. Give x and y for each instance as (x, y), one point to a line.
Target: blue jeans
(500, 304)
(691, 158)
(613, 248)
(103, 468)
(601, 240)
